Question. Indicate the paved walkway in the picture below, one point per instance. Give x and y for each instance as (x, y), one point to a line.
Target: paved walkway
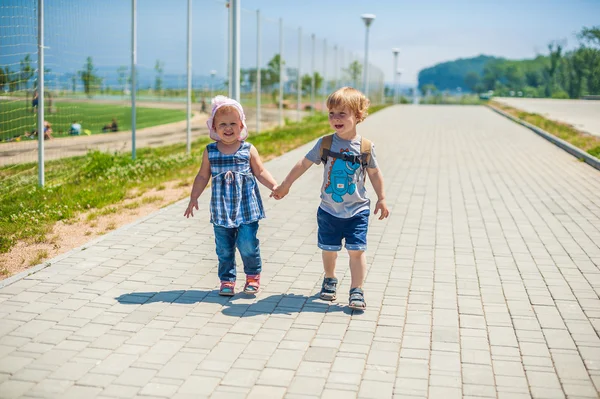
(483, 282)
(581, 114)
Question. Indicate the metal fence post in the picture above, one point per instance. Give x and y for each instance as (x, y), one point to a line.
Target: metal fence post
(312, 76)
(299, 73)
(133, 71)
(235, 51)
(324, 73)
(281, 72)
(189, 77)
(40, 88)
(258, 88)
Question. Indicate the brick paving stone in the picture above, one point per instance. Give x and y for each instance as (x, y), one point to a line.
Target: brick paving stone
(483, 282)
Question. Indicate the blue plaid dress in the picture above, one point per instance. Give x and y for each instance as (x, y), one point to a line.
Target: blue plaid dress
(235, 196)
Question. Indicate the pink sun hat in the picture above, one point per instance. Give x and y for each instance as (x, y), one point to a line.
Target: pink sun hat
(217, 103)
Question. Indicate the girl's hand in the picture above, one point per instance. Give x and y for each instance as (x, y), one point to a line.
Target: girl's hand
(381, 206)
(190, 208)
(280, 191)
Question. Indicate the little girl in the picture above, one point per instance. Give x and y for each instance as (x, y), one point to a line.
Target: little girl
(235, 204)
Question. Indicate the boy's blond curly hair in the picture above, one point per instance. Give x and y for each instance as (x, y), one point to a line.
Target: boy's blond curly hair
(351, 98)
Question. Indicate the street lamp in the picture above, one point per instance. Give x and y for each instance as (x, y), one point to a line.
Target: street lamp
(367, 18)
(395, 51)
(212, 77)
(399, 74)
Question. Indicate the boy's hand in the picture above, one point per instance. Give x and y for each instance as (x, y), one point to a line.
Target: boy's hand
(381, 206)
(280, 191)
(190, 208)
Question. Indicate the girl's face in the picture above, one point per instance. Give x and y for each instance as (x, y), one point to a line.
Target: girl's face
(342, 119)
(228, 126)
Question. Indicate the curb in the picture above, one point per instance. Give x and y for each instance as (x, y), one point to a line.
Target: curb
(568, 147)
(32, 270)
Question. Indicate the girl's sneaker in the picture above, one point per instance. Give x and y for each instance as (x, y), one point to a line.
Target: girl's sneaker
(227, 288)
(252, 284)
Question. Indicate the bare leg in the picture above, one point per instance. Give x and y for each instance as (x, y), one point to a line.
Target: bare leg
(329, 258)
(358, 268)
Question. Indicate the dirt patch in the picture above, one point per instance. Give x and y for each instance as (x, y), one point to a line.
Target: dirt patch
(66, 236)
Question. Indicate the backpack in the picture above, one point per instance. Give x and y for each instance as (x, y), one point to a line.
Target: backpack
(363, 158)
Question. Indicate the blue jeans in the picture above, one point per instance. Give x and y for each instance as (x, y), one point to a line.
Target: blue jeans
(244, 238)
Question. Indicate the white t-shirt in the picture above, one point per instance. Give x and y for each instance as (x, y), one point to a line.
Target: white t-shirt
(343, 192)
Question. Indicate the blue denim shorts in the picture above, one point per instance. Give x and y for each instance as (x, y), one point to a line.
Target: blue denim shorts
(333, 229)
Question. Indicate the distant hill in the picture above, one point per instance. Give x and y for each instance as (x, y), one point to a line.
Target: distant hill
(450, 75)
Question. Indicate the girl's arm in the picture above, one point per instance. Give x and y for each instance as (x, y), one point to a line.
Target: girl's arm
(199, 185)
(259, 170)
(297, 171)
(376, 178)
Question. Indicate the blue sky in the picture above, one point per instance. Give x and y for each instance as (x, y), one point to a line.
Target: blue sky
(426, 31)
(432, 31)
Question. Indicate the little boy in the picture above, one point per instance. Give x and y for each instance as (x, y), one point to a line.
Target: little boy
(345, 207)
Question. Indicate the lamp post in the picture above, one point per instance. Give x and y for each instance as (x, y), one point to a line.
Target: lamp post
(399, 74)
(395, 51)
(368, 19)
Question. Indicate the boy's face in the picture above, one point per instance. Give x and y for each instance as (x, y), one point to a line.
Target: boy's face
(228, 126)
(342, 120)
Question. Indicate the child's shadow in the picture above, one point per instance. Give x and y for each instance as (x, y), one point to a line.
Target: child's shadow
(273, 304)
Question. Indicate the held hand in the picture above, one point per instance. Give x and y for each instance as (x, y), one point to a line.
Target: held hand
(190, 208)
(381, 206)
(279, 192)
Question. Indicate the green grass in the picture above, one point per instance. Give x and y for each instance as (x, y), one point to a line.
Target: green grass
(16, 117)
(466, 99)
(566, 132)
(98, 181)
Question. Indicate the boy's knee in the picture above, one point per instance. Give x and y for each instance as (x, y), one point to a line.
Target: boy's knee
(355, 253)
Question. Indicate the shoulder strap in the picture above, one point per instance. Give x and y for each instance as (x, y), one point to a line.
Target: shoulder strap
(365, 148)
(325, 147)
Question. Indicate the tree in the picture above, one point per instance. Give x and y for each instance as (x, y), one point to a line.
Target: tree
(272, 72)
(574, 73)
(472, 81)
(307, 83)
(354, 72)
(89, 78)
(74, 83)
(137, 78)
(11, 79)
(158, 67)
(3, 78)
(428, 89)
(590, 41)
(591, 36)
(122, 76)
(26, 71)
(555, 49)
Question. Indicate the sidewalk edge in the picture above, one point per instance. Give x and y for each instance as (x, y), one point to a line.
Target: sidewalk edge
(571, 149)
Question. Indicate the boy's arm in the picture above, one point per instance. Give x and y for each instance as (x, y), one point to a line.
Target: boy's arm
(298, 170)
(376, 178)
(199, 185)
(259, 170)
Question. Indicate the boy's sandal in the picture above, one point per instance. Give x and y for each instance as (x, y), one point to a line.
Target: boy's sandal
(227, 288)
(329, 289)
(357, 299)
(252, 284)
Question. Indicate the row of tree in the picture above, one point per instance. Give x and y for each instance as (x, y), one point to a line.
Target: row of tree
(91, 81)
(269, 77)
(560, 74)
(23, 78)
